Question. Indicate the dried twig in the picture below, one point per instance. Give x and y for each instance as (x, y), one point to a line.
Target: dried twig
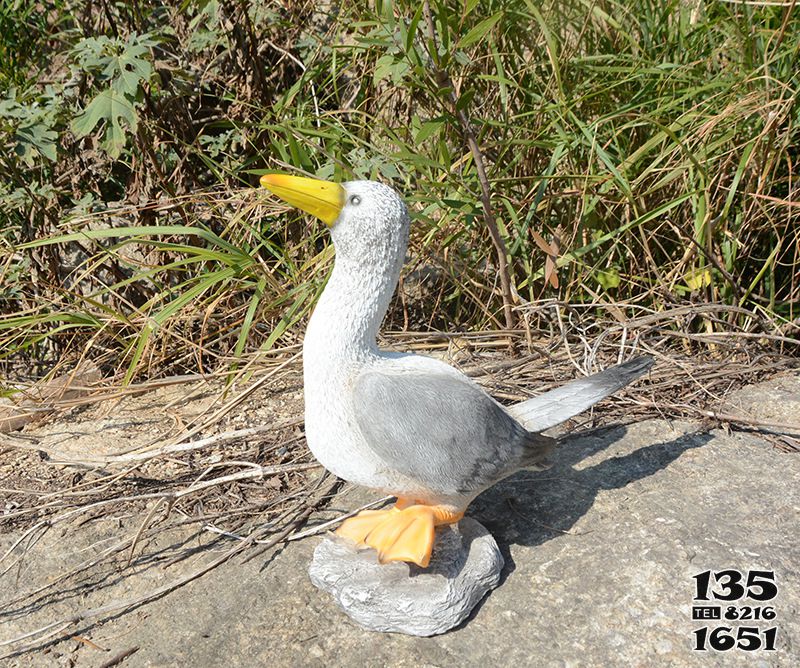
(55, 628)
(239, 398)
(119, 658)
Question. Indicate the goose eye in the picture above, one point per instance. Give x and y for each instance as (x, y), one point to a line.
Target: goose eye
(355, 200)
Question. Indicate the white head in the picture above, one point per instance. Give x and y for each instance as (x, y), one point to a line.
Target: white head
(372, 224)
(369, 225)
(369, 222)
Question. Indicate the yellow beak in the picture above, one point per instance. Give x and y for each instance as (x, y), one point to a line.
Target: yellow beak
(322, 199)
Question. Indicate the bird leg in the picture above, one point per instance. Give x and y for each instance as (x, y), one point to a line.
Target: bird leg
(402, 533)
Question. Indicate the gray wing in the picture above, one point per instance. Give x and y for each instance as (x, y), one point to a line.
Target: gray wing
(559, 405)
(446, 433)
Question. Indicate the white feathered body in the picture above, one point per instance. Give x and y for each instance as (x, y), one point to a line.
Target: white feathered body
(340, 351)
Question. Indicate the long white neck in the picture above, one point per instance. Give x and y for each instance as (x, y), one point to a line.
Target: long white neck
(345, 322)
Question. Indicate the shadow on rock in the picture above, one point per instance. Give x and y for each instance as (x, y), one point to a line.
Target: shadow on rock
(530, 508)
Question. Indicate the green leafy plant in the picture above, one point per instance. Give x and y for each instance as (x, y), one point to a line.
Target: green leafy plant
(31, 126)
(635, 153)
(124, 68)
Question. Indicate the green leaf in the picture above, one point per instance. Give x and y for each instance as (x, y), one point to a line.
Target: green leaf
(412, 29)
(465, 99)
(399, 70)
(382, 68)
(428, 128)
(469, 5)
(33, 139)
(110, 107)
(479, 31)
(90, 52)
(289, 318)
(608, 278)
(136, 232)
(552, 45)
(247, 325)
(129, 70)
(126, 65)
(697, 278)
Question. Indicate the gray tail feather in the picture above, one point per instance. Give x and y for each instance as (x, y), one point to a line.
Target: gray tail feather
(559, 405)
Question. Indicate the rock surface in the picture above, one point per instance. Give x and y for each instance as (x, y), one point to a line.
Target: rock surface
(465, 566)
(600, 555)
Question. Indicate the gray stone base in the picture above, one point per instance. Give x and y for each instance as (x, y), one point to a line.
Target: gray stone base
(405, 598)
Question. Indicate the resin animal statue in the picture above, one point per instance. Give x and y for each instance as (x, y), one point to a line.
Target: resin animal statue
(408, 425)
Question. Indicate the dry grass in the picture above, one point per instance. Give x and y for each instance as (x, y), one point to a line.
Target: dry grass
(642, 153)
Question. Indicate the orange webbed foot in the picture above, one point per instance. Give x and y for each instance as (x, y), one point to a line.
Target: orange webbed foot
(403, 533)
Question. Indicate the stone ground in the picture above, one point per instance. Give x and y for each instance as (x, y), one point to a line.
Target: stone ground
(600, 554)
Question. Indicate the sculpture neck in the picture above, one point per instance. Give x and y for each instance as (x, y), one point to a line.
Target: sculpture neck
(349, 312)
